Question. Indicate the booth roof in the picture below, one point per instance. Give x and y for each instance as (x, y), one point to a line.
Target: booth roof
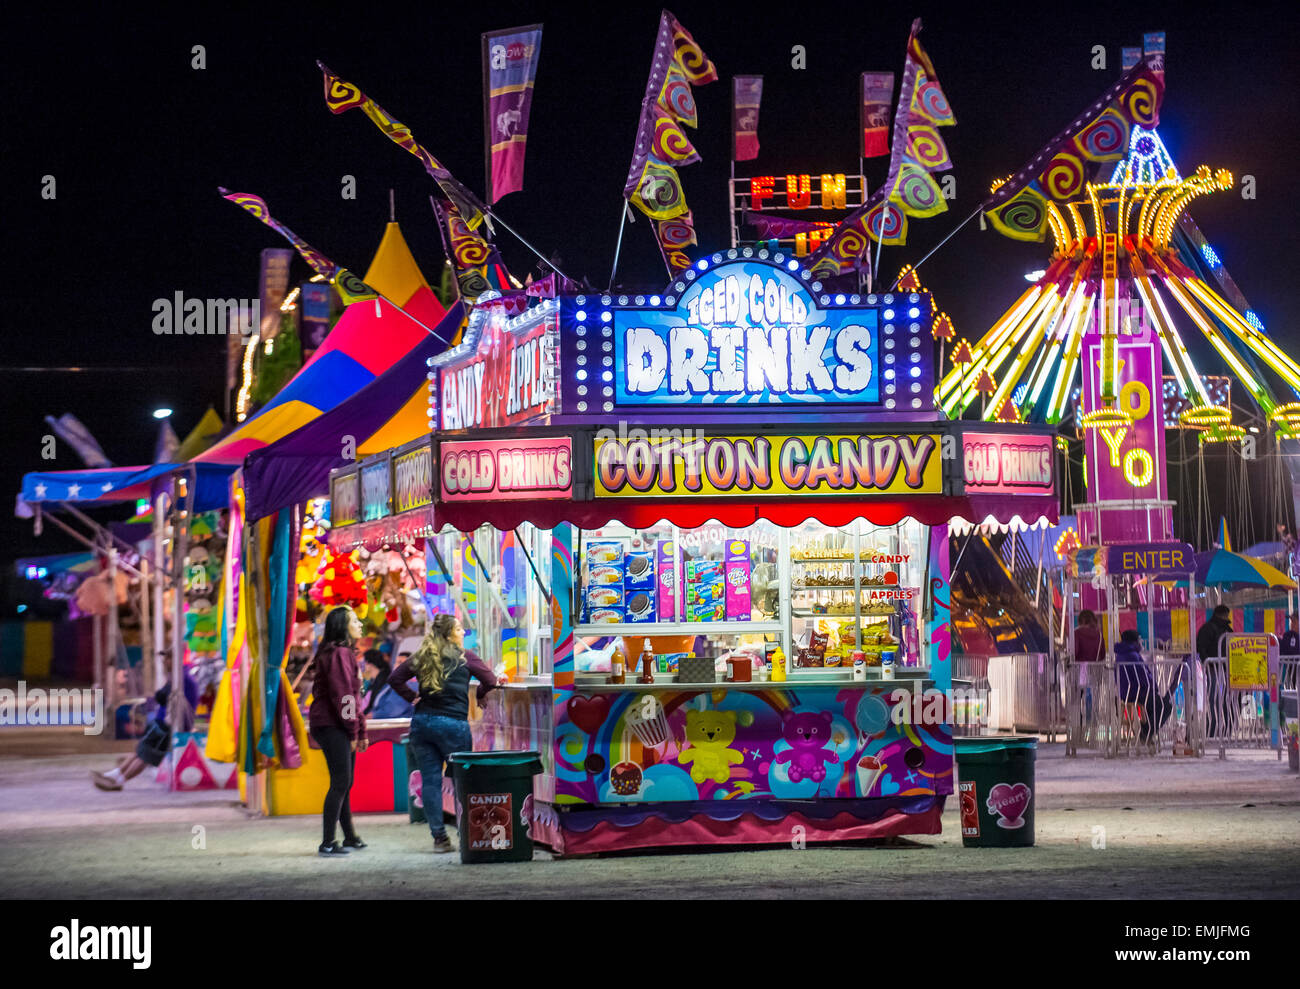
(369, 338)
(394, 405)
(113, 485)
(644, 513)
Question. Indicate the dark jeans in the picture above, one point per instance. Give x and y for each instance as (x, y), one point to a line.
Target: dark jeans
(342, 762)
(1221, 719)
(433, 738)
(1156, 707)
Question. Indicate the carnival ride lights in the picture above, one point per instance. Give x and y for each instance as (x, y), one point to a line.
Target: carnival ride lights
(1106, 274)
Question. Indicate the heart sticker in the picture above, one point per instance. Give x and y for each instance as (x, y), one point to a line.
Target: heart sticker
(588, 713)
(887, 785)
(1010, 802)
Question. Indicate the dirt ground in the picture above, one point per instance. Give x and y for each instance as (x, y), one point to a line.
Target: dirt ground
(1171, 829)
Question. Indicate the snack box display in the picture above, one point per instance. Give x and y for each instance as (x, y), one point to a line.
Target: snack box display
(605, 616)
(667, 595)
(703, 571)
(706, 593)
(736, 577)
(639, 571)
(604, 573)
(669, 662)
(711, 612)
(604, 596)
(602, 551)
(639, 605)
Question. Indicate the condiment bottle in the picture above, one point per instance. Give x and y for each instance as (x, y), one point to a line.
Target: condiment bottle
(778, 665)
(616, 666)
(647, 664)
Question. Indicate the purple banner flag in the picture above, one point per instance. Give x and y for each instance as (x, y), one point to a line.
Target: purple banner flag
(747, 94)
(877, 91)
(274, 286)
(509, 69)
(315, 306)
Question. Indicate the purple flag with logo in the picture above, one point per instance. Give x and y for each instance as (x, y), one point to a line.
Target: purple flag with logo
(509, 68)
(747, 94)
(315, 323)
(877, 91)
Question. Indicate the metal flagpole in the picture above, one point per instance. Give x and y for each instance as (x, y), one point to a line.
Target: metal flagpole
(618, 248)
(936, 246)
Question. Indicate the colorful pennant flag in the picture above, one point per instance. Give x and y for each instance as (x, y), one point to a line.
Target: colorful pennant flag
(350, 287)
(476, 263)
(510, 68)
(341, 96)
(653, 185)
(1020, 207)
(877, 91)
(916, 151)
(746, 96)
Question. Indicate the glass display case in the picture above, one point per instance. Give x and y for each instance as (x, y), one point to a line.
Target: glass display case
(825, 596)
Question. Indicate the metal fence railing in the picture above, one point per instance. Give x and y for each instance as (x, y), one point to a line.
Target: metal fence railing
(1237, 718)
(1020, 692)
(1132, 708)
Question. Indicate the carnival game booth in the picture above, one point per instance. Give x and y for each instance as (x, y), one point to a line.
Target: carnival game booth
(739, 489)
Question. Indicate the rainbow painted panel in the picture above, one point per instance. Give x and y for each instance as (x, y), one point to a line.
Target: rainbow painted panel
(721, 744)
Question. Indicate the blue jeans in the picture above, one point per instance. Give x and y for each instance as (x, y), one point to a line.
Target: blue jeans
(433, 738)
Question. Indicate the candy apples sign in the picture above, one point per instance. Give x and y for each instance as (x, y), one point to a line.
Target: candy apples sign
(506, 470)
(750, 332)
(509, 379)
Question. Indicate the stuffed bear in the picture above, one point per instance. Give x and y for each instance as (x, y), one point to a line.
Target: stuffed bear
(708, 734)
(807, 732)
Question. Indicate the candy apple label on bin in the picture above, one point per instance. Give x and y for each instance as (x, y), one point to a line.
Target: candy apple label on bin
(506, 470)
(491, 822)
(970, 809)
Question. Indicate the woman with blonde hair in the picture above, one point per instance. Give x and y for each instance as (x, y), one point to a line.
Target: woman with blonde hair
(440, 724)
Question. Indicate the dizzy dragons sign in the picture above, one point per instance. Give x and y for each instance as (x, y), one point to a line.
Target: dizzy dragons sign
(722, 466)
(750, 333)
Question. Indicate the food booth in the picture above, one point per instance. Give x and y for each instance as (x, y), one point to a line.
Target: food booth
(738, 492)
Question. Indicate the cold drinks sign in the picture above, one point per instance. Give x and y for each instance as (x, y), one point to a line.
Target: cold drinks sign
(750, 332)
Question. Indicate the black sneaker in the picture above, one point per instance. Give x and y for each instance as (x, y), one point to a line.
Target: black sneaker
(443, 845)
(334, 849)
(354, 842)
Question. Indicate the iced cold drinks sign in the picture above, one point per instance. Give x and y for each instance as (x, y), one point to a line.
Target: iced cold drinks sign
(751, 333)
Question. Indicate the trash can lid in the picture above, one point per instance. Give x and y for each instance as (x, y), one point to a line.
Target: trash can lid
(969, 745)
(494, 758)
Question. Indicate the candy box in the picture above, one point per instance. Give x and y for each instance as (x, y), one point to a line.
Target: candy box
(667, 596)
(639, 571)
(736, 575)
(706, 593)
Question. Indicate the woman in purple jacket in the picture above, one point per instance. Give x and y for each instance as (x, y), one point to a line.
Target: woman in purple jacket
(440, 724)
(338, 723)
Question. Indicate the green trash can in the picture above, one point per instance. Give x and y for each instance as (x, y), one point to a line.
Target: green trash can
(995, 790)
(413, 811)
(491, 791)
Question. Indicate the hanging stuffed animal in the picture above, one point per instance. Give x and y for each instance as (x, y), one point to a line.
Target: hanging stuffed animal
(340, 582)
(201, 627)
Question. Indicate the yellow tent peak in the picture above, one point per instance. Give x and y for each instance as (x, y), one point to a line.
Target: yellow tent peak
(394, 271)
(201, 437)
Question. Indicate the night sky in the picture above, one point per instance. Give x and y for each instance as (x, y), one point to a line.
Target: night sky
(138, 141)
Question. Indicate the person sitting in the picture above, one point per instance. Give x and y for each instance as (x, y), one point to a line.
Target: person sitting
(1137, 685)
(381, 700)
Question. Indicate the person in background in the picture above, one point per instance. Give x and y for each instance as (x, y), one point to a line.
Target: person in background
(440, 724)
(1290, 644)
(1137, 685)
(1089, 647)
(157, 740)
(338, 723)
(1207, 647)
(381, 701)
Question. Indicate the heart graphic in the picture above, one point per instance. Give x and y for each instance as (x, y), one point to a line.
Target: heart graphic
(1010, 802)
(887, 785)
(588, 713)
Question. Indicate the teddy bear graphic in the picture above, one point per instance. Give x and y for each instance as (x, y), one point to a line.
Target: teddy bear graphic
(709, 735)
(807, 732)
